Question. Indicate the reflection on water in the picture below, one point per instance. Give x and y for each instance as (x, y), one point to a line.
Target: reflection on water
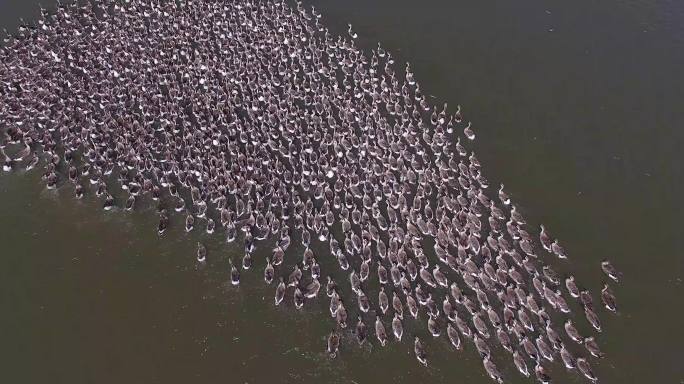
(576, 109)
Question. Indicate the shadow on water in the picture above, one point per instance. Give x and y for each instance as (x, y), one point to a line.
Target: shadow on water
(577, 108)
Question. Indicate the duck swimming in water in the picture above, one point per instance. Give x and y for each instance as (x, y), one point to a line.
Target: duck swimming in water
(453, 336)
(247, 261)
(163, 222)
(610, 270)
(280, 292)
(608, 298)
(333, 344)
(268, 272)
(380, 332)
(397, 327)
(234, 274)
(585, 368)
(592, 347)
(419, 350)
(201, 252)
(541, 374)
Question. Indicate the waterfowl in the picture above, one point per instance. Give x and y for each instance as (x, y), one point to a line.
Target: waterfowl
(298, 299)
(572, 287)
(492, 370)
(592, 318)
(341, 315)
(383, 300)
(334, 304)
(268, 272)
(544, 350)
(361, 331)
(504, 339)
(541, 374)
(333, 344)
(380, 332)
(397, 305)
(280, 292)
(608, 298)
(163, 222)
(382, 273)
(130, 202)
(295, 276)
(558, 250)
(397, 327)
(567, 358)
(610, 270)
(109, 202)
(481, 346)
(520, 363)
(593, 348)
(234, 274)
(468, 132)
(433, 326)
(572, 332)
(585, 368)
(189, 222)
(364, 304)
(330, 287)
(201, 252)
(412, 306)
(419, 350)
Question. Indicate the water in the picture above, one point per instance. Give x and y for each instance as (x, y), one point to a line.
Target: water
(577, 109)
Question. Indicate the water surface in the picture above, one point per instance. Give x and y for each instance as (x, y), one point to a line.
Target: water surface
(578, 109)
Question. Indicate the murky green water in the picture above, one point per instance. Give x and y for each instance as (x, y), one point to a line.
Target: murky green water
(578, 107)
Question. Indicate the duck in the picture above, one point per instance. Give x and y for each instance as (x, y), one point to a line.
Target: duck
(558, 250)
(419, 351)
(610, 271)
(397, 327)
(468, 132)
(383, 300)
(201, 252)
(492, 370)
(545, 239)
(572, 332)
(189, 222)
(269, 271)
(163, 222)
(298, 298)
(234, 274)
(247, 261)
(572, 287)
(361, 331)
(333, 344)
(520, 363)
(380, 332)
(608, 298)
(593, 348)
(541, 374)
(585, 368)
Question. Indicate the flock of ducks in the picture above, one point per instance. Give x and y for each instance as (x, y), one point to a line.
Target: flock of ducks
(251, 119)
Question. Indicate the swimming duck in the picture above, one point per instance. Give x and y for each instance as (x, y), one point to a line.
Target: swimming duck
(268, 272)
(234, 274)
(610, 270)
(608, 298)
(333, 344)
(419, 350)
(201, 253)
(380, 332)
(280, 292)
(361, 331)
